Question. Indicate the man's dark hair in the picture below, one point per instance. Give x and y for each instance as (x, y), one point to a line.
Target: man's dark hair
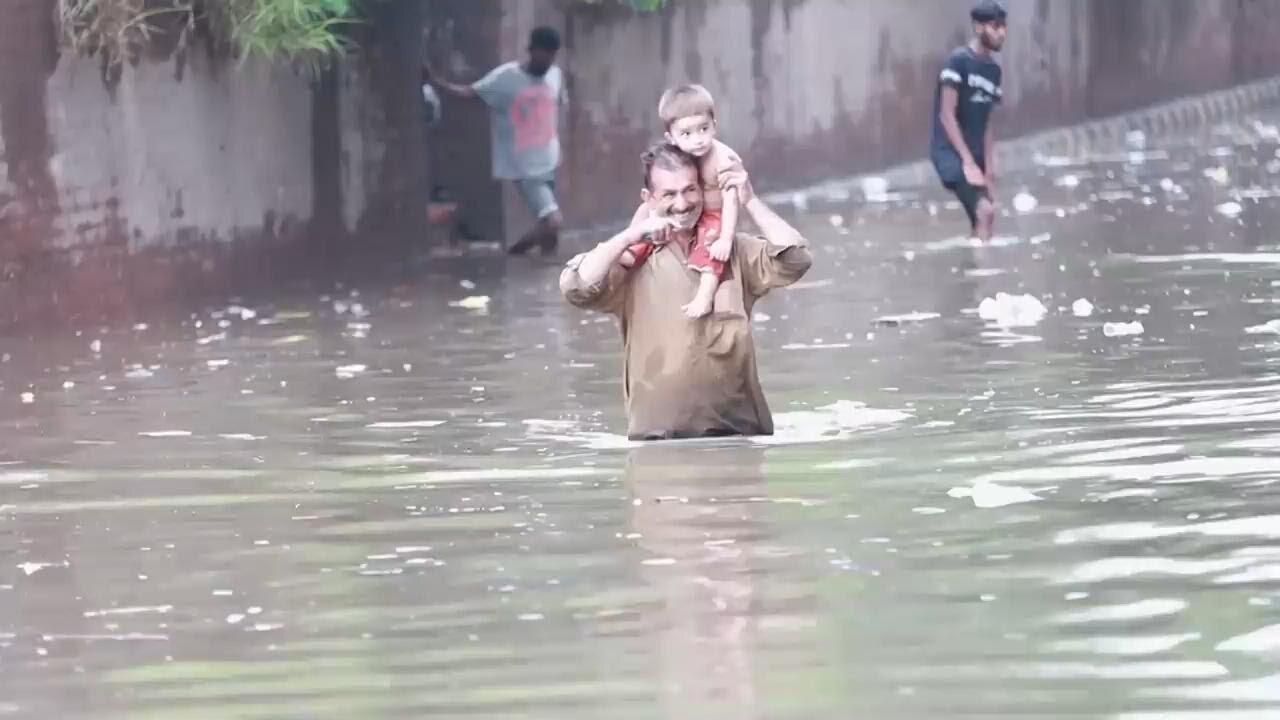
(989, 11)
(544, 38)
(664, 155)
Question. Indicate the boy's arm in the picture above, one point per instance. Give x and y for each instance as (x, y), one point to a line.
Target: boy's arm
(727, 161)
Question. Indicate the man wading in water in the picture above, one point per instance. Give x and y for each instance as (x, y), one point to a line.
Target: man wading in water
(963, 144)
(687, 379)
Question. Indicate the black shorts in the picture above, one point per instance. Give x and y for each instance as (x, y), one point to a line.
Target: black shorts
(969, 195)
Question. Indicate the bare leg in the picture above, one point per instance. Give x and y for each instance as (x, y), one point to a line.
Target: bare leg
(702, 302)
(986, 220)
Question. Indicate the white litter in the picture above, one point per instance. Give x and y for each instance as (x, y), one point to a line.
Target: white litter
(1271, 328)
(475, 302)
(1012, 311)
(1115, 330)
(1025, 202)
(989, 495)
(1230, 209)
(1082, 308)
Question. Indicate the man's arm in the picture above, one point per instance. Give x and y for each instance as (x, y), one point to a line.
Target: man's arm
(989, 152)
(951, 126)
(591, 280)
(783, 257)
(464, 92)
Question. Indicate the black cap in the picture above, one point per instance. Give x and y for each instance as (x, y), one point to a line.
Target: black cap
(989, 11)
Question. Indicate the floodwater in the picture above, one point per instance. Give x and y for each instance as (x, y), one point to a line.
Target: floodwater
(385, 505)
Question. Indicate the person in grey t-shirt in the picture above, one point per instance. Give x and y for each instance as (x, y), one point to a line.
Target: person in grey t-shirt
(524, 102)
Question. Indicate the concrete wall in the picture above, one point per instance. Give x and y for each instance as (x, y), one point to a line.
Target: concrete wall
(183, 172)
(814, 88)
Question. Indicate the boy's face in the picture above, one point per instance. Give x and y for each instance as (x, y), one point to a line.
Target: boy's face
(993, 34)
(695, 134)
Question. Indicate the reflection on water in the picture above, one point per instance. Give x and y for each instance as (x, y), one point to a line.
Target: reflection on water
(411, 501)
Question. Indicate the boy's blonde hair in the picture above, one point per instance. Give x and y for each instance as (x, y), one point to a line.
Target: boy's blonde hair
(685, 101)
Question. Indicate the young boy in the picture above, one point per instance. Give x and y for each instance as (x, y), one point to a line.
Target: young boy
(963, 142)
(689, 115)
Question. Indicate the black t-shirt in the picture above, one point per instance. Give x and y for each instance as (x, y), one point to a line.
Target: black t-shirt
(977, 80)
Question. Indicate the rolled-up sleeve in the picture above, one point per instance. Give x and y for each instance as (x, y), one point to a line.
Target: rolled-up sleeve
(766, 266)
(606, 296)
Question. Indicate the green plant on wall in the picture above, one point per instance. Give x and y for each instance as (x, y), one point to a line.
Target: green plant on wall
(309, 32)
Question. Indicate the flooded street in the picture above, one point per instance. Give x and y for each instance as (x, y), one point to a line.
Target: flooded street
(415, 501)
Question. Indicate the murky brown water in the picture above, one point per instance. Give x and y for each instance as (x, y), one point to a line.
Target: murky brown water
(409, 509)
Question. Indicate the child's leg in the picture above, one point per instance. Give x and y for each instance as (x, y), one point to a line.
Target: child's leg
(705, 298)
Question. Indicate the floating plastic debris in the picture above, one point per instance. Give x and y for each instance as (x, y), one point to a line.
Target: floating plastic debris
(347, 372)
(1230, 209)
(989, 495)
(28, 398)
(475, 302)
(1115, 330)
(1219, 175)
(1082, 308)
(165, 434)
(96, 347)
(837, 221)
(1068, 181)
(907, 319)
(467, 285)
(1011, 311)
(1025, 202)
(1271, 328)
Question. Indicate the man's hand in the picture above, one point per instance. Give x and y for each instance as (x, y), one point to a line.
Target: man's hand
(652, 229)
(735, 178)
(974, 175)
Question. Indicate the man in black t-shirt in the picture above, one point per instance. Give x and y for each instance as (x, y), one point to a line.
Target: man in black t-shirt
(963, 144)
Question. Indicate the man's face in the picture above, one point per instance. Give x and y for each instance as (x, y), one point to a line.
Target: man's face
(540, 61)
(675, 194)
(695, 134)
(993, 34)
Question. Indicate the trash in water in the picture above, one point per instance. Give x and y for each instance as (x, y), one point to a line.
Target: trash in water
(876, 189)
(1082, 308)
(95, 347)
(1068, 181)
(28, 398)
(1115, 330)
(907, 319)
(989, 495)
(1218, 175)
(347, 372)
(475, 302)
(1025, 202)
(1230, 209)
(1011, 311)
(467, 285)
(1271, 328)
(837, 221)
